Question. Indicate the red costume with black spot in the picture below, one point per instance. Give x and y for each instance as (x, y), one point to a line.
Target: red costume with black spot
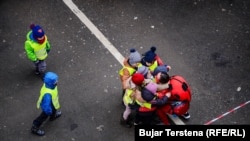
(180, 99)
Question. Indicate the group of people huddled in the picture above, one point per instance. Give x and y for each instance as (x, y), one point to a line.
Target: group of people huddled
(149, 91)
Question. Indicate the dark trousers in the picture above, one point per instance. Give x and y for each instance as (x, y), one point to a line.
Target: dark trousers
(145, 118)
(42, 117)
(41, 66)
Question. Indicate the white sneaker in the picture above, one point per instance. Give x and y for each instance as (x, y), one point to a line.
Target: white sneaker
(186, 116)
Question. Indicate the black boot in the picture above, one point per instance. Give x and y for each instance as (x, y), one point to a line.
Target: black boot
(127, 123)
(37, 131)
(57, 115)
(37, 71)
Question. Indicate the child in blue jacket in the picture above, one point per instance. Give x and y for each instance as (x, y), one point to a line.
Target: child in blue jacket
(48, 102)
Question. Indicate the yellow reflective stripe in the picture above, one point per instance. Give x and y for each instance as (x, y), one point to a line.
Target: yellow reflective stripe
(144, 104)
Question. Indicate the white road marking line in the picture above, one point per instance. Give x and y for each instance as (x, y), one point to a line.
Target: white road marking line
(176, 119)
(104, 41)
(95, 31)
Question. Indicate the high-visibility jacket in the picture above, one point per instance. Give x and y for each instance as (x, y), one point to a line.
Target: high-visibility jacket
(153, 66)
(131, 70)
(127, 98)
(53, 93)
(145, 106)
(34, 50)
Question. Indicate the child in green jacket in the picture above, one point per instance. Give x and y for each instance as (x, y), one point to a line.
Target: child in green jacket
(37, 48)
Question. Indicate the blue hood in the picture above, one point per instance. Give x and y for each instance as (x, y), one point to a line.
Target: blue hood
(50, 80)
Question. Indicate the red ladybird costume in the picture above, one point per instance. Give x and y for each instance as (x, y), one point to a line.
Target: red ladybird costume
(179, 102)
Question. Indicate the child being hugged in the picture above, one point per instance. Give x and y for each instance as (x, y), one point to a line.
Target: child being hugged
(130, 65)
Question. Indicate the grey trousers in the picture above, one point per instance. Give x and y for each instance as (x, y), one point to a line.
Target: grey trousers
(41, 66)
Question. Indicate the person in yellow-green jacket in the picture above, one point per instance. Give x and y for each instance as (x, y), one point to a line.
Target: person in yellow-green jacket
(152, 60)
(129, 67)
(48, 101)
(134, 82)
(37, 47)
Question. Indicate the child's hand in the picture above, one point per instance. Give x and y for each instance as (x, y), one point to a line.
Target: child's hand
(168, 68)
(168, 94)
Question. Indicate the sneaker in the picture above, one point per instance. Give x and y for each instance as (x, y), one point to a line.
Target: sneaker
(186, 116)
(137, 123)
(57, 115)
(37, 131)
(37, 72)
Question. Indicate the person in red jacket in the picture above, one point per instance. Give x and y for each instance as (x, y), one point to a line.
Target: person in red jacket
(180, 99)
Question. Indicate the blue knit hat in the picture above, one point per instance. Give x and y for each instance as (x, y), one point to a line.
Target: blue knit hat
(143, 70)
(134, 57)
(37, 31)
(149, 56)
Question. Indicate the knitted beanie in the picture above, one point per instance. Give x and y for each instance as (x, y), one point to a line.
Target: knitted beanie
(37, 31)
(149, 56)
(152, 87)
(134, 57)
(137, 79)
(143, 70)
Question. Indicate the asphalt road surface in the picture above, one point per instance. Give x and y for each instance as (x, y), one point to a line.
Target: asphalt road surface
(205, 41)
